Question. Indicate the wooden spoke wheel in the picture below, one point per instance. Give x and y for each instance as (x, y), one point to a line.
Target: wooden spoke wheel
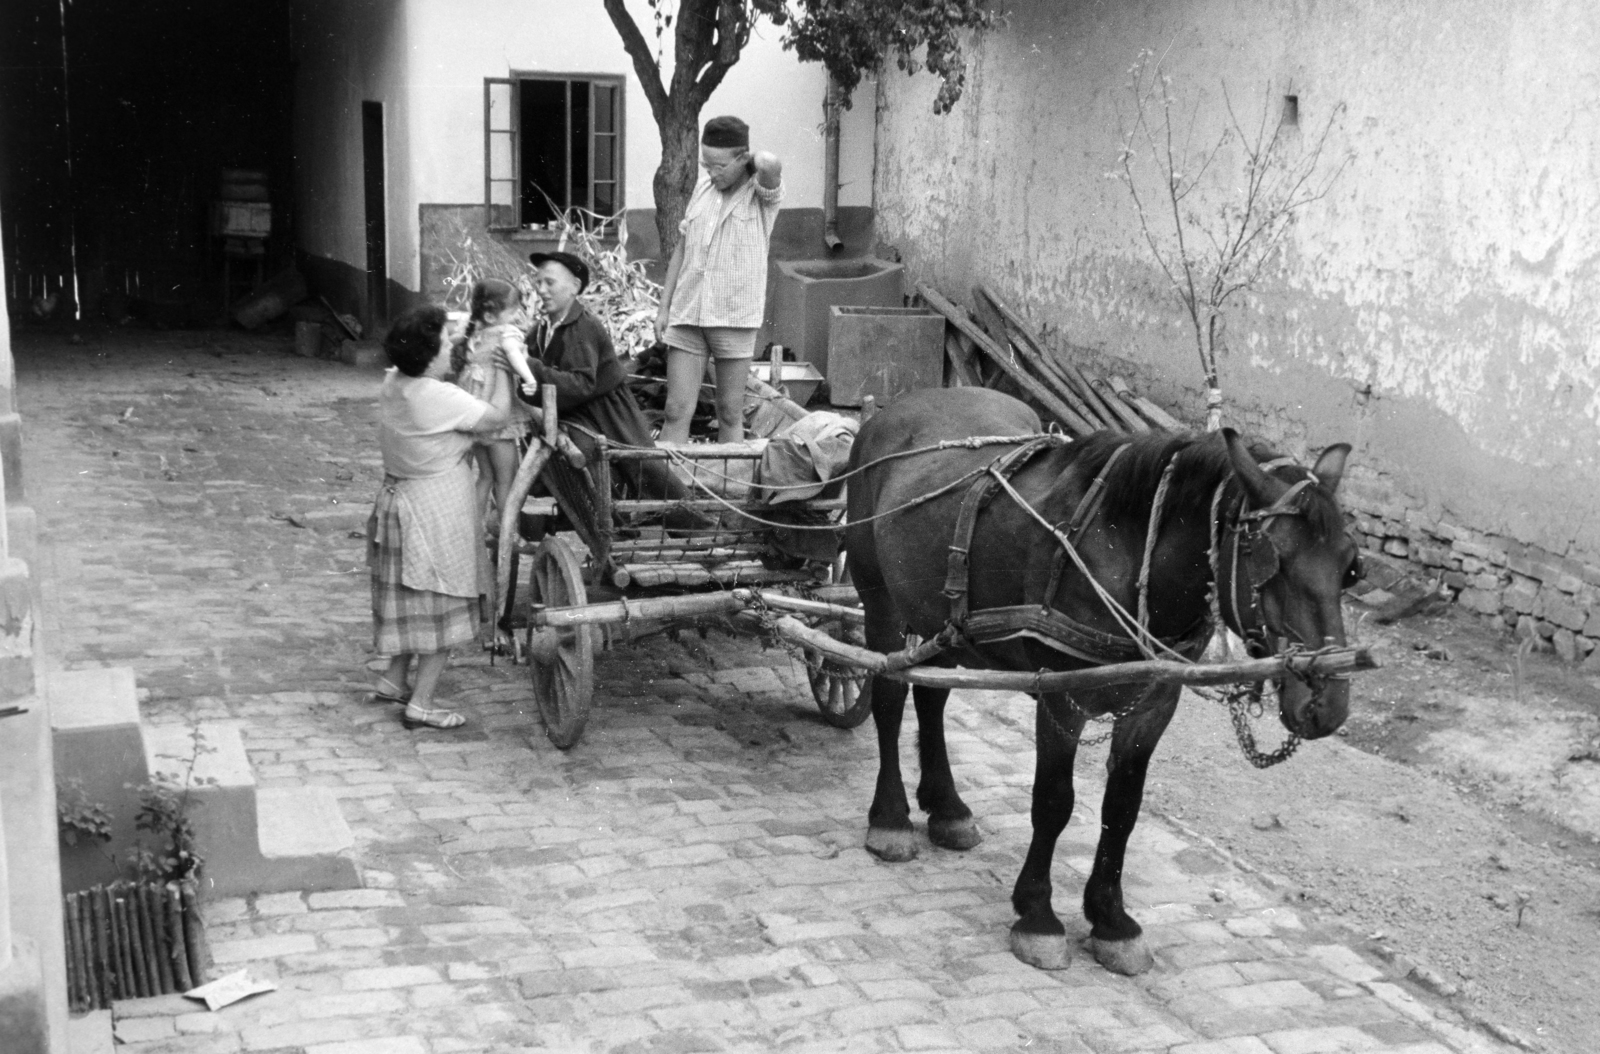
(843, 696)
(561, 657)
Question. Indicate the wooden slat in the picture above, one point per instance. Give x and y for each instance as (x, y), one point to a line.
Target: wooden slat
(1029, 343)
(1132, 421)
(1151, 412)
(1057, 409)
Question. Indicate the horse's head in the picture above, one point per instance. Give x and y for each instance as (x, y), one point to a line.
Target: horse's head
(1281, 562)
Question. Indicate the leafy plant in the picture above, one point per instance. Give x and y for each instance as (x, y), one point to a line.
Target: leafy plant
(164, 804)
(79, 818)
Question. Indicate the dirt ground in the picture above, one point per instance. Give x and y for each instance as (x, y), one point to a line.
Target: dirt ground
(1453, 822)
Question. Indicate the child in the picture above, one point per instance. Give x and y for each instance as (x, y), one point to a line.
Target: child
(494, 326)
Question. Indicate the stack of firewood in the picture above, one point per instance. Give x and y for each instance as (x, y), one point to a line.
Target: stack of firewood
(993, 346)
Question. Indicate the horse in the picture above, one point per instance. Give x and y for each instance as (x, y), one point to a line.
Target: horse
(1268, 539)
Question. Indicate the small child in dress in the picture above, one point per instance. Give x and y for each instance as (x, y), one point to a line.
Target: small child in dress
(495, 326)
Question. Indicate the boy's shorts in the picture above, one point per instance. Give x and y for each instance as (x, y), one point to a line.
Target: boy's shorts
(721, 342)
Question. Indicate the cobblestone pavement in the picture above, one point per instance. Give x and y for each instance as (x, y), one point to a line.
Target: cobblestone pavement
(690, 877)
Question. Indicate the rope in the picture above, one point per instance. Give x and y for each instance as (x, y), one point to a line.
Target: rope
(1150, 538)
(1149, 646)
(913, 503)
(970, 443)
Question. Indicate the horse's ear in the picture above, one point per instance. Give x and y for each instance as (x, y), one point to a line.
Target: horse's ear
(1261, 488)
(1329, 468)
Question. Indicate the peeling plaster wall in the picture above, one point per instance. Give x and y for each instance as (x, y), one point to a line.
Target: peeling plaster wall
(1453, 268)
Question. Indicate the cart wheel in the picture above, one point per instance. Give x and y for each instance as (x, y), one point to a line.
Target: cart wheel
(843, 696)
(562, 659)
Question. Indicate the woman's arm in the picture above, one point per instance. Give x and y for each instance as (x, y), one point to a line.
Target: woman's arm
(668, 287)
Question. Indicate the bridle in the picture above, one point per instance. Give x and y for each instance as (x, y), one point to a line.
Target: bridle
(1245, 542)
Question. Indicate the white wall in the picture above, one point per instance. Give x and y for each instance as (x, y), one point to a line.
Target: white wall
(780, 98)
(350, 51)
(1451, 270)
(426, 61)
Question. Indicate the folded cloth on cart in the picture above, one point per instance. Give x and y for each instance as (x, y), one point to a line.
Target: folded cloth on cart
(801, 461)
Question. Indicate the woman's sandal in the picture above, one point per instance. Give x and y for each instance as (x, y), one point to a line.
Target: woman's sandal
(385, 691)
(437, 717)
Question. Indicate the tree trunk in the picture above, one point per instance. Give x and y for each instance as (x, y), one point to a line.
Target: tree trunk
(680, 169)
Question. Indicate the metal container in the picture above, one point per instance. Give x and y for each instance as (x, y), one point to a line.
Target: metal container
(882, 352)
(806, 289)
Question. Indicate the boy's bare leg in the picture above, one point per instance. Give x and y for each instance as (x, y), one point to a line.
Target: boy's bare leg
(732, 375)
(685, 372)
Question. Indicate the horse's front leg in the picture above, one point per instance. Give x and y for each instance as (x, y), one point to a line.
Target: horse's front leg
(949, 820)
(1037, 937)
(1116, 937)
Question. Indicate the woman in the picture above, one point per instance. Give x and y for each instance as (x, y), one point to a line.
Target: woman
(425, 535)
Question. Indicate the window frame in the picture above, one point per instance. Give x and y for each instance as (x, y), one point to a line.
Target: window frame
(618, 181)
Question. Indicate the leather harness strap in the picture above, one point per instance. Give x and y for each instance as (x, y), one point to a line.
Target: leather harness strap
(956, 578)
(1040, 622)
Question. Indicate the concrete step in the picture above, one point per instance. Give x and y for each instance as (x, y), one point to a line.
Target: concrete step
(254, 840)
(99, 752)
(90, 1033)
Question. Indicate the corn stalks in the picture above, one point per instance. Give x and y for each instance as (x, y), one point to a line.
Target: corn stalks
(620, 293)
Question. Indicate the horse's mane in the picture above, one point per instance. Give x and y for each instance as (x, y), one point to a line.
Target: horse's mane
(1202, 463)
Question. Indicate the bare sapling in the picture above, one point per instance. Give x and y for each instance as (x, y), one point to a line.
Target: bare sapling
(1215, 244)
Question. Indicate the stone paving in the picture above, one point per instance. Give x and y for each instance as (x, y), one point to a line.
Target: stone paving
(688, 878)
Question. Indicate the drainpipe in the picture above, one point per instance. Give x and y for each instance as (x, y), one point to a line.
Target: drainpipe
(830, 167)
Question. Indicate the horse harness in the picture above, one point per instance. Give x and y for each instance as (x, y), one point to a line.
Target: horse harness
(1046, 624)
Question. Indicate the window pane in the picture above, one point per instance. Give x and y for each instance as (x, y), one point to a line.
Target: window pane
(500, 192)
(605, 153)
(500, 156)
(605, 108)
(499, 106)
(605, 199)
(579, 130)
(544, 149)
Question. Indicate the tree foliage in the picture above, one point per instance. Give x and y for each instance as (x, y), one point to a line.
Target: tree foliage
(851, 38)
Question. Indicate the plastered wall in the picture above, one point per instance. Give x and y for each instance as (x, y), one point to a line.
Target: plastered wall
(426, 61)
(1440, 308)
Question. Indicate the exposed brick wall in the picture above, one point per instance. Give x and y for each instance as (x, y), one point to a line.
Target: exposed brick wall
(1549, 598)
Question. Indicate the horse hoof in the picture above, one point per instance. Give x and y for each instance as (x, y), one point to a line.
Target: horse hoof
(1130, 957)
(959, 834)
(895, 847)
(1046, 951)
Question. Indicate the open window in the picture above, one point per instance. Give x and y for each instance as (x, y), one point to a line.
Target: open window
(551, 143)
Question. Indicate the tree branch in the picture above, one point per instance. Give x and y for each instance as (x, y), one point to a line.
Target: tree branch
(644, 63)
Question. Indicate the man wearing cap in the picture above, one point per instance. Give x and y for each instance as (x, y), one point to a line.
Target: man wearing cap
(716, 288)
(578, 360)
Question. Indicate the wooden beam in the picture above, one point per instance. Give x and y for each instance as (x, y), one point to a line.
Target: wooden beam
(1056, 408)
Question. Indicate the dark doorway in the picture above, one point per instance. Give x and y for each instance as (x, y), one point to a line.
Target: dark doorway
(117, 122)
(376, 225)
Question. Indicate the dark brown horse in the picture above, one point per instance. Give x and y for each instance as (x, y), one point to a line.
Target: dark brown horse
(1273, 535)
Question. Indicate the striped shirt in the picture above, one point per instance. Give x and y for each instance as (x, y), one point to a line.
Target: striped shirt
(723, 278)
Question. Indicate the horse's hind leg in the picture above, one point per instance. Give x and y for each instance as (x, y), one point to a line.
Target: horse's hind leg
(1037, 937)
(949, 820)
(890, 835)
(1116, 937)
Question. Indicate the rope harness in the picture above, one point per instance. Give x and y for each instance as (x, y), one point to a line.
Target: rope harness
(1242, 533)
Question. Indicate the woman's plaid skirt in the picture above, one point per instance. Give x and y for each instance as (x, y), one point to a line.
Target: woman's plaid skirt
(407, 620)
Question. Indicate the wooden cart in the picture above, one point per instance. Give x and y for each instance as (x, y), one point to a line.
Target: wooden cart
(607, 565)
(611, 561)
